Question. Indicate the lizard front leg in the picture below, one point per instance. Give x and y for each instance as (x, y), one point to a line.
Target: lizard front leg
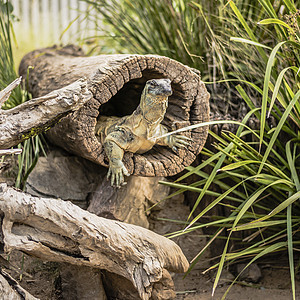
(173, 141)
(116, 170)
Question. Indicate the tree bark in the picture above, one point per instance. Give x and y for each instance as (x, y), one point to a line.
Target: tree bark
(55, 230)
(116, 82)
(37, 115)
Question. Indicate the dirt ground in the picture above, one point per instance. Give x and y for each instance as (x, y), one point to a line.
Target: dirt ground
(42, 279)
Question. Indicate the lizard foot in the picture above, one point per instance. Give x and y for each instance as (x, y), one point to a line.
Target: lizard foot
(116, 171)
(179, 141)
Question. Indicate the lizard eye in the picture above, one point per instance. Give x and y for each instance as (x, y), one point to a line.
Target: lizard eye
(153, 83)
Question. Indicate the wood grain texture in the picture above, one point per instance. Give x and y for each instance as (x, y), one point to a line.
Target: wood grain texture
(4, 94)
(56, 230)
(116, 82)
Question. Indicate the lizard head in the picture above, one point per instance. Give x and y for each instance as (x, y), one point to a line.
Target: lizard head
(154, 100)
(158, 87)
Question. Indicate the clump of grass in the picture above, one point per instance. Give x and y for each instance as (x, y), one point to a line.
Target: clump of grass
(181, 30)
(257, 170)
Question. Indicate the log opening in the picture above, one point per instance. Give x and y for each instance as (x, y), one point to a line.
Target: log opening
(116, 82)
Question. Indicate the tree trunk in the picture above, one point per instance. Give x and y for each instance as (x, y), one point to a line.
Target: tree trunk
(130, 203)
(116, 82)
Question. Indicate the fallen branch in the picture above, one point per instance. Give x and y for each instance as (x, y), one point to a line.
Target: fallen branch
(37, 115)
(4, 94)
(10, 289)
(55, 230)
(10, 151)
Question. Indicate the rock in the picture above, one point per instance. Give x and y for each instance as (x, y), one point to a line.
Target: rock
(251, 274)
(64, 176)
(81, 283)
(226, 277)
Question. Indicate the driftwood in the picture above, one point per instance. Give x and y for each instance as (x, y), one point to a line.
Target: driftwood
(116, 82)
(11, 290)
(57, 230)
(4, 94)
(40, 114)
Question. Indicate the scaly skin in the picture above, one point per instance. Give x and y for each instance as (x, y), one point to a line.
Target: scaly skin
(140, 131)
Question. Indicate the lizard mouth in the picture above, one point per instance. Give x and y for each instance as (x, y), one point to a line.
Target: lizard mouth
(161, 93)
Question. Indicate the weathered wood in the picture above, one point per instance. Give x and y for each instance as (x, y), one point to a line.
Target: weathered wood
(11, 290)
(118, 287)
(129, 203)
(38, 115)
(4, 94)
(56, 230)
(10, 151)
(116, 82)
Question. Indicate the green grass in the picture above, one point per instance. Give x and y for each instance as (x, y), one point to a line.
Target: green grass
(257, 171)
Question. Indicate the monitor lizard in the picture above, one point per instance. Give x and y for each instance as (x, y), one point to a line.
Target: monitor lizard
(138, 132)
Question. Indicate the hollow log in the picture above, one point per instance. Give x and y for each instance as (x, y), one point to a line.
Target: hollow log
(56, 230)
(116, 82)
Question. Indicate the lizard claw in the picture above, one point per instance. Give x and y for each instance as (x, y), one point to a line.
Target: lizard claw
(117, 171)
(179, 141)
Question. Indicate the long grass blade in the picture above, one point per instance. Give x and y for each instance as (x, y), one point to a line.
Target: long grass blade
(276, 89)
(266, 89)
(245, 41)
(290, 249)
(283, 205)
(274, 21)
(278, 129)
